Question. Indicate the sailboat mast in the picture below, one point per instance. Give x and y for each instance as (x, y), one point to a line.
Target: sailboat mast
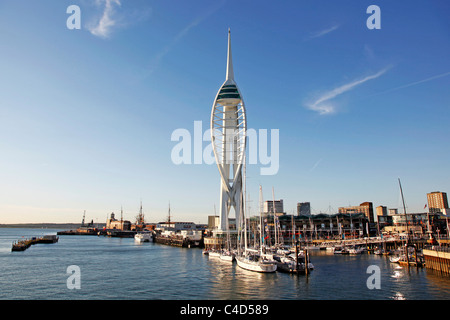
(245, 229)
(168, 220)
(293, 229)
(404, 209)
(228, 234)
(260, 220)
(121, 218)
(82, 222)
(274, 218)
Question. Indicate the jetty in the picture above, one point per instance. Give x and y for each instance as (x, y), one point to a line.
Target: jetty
(22, 245)
(185, 239)
(390, 242)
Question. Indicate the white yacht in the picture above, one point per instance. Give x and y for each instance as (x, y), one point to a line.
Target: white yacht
(227, 255)
(214, 253)
(355, 250)
(143, 237)
(291, 265)
(340, 250)
(253, 263)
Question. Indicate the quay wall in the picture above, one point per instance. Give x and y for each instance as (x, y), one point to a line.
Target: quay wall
(438, 260)
(177, 241)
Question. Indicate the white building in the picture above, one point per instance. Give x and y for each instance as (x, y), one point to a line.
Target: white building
(175, 226)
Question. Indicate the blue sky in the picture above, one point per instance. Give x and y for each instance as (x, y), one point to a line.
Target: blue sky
(87, 115)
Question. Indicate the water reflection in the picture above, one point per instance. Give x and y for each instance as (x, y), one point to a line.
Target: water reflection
(229, 281)
(398, 296)
(397, 274)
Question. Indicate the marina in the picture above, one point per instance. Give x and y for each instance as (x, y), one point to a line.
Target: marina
(263, 258)
(190, 274)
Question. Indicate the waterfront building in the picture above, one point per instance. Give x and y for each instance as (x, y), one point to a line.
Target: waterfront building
(384, 221)
(113, 223)
(228, 136)
(345, 226)
(175, 226)
(213, 222)
(303, 208)
(315, 227)
(417, 224)
(392, 212)
(381, 211)
(143, 227)
(415, 231)
(411, 218)
(437, 201)
(366, 208)
(269, 207)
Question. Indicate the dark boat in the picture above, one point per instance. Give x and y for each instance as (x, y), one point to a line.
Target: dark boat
(50, 238)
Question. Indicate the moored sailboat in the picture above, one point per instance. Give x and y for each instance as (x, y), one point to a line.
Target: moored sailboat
(252, 259)
(254, 262)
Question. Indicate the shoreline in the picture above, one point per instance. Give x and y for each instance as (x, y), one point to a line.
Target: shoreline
(45, 225)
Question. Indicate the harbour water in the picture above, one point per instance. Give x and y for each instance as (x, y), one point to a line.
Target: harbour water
(120, 268)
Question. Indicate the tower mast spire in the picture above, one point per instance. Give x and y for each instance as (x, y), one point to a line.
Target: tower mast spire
(230, 73)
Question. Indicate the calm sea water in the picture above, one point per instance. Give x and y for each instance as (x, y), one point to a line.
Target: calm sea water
(115, 268)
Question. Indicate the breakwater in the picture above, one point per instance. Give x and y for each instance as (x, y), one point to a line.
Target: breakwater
(22, 245)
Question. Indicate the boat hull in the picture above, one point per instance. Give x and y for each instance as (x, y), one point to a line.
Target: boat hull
(143, 237)
(256, 266)
(214, 254)
(227, 257)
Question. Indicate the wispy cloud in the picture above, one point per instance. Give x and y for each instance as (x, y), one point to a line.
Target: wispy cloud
(415, 83)
(161, 54)
(107, 20)
(173, 42)
(315, 165)
(322, 104)
(323, 32)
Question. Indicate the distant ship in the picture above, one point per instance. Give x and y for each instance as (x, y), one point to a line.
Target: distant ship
(143, 236)
(84, 229)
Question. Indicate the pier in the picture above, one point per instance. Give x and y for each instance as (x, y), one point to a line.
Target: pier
(178, 240)
(22, 245)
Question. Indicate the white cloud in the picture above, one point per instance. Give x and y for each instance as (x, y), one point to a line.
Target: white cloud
(324, 106)
(323, 32)
(107, 21)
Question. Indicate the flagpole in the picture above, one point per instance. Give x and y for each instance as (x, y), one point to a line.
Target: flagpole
(428, 223)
